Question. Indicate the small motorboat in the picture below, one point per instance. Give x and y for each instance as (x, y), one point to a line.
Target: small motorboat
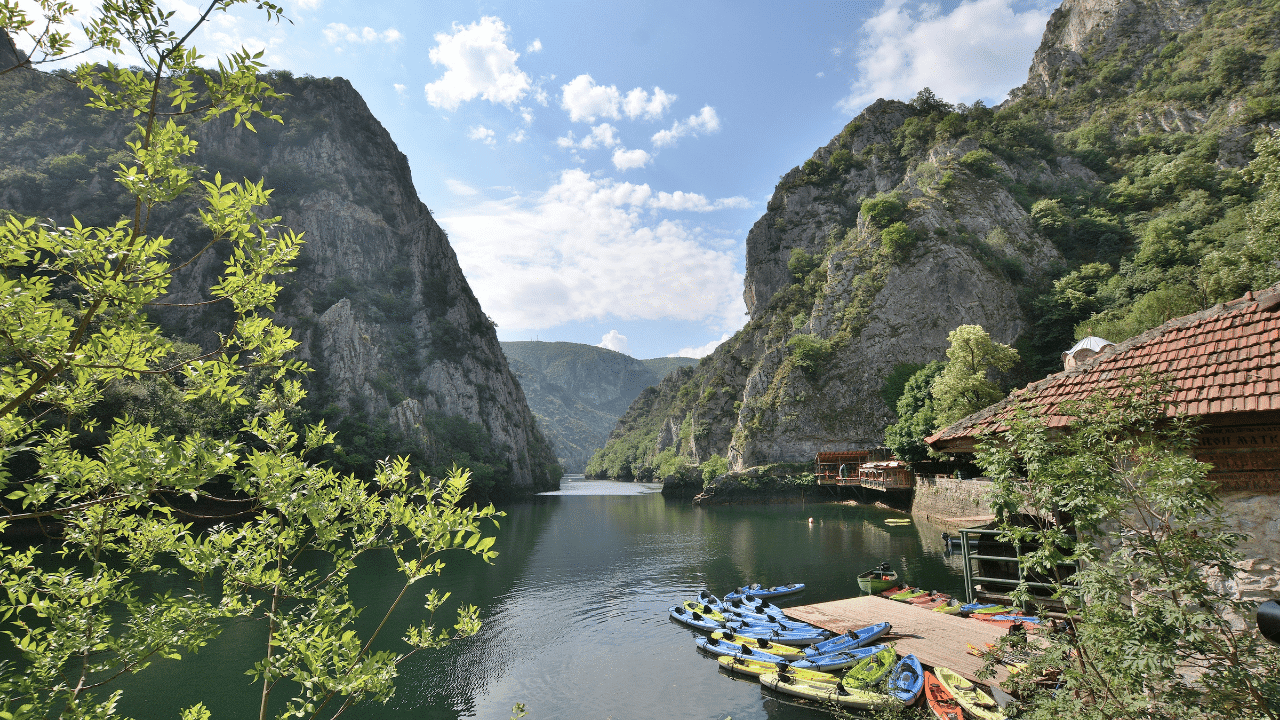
(878, 580)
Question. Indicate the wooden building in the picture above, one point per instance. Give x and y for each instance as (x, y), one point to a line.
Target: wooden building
(1225, 362)
(839, 468)
(886, 475)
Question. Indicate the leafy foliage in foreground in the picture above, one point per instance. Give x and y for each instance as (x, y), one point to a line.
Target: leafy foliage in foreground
(75, 343)
(1160, 633)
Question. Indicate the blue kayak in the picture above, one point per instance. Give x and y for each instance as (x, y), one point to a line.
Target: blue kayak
(850, 639)
(724, 647)
(695, 619)
(759, 607)
(837, 660)
(906, 680)
(787, 627)
(760, 617)
(755, 590)
(786, 637)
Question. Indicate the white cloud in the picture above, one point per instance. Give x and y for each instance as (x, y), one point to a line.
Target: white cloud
(695, 202)
(980, 49)
(477, 63)
(527, 115)
(481, 133)
(517, 136)
(639, 103)
(399, 88)
(337, 32)
(535, 46)
(307, 4)
(457, 187)
(625, 159)
(702, 350)
(615, 341)
(586, 101)
(588, 248)
(705, 122)
(602, 135)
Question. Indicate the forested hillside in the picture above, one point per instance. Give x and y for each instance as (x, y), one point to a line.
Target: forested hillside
(578, 392)
(1112, 192)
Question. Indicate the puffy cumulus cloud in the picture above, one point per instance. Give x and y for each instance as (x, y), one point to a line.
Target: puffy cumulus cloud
(535, 46)
(338, 33)
(306, 4)
(603, 135)
(477, 63)
(702, 350)
(399, 88)
(695, 202)
(625, 159)
(586, 101)
(590, 248)
(615, 341)
(705, 122)
(639, 103)
(978, 50)
(517, 136)
(481, 133)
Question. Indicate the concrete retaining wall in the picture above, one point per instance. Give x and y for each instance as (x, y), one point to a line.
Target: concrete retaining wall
(950, 501)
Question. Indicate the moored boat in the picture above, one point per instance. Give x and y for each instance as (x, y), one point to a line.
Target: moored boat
(823, 692)
(870, 670)
(724, 647)
(906, 680)
(756, 668)
(703, 608)
(837, 660)
(757, 591)
(940, 701)
(976, 703)
(770, 646)
(850, 639)
(694, 619)
(878, 580)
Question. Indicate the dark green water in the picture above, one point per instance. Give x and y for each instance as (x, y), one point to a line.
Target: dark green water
(575, 610)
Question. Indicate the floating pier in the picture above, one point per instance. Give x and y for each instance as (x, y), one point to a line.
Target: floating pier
(935, 638)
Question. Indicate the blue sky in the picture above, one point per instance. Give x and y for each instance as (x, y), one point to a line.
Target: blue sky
(598, 165)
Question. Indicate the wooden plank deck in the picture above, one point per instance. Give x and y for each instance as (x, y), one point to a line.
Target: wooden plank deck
(935, 638)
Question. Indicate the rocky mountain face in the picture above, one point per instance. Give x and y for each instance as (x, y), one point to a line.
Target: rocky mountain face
(578, 392)
(403, 355)
(1108, 189)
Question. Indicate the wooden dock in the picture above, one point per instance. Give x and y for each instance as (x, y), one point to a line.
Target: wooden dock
(936, 639)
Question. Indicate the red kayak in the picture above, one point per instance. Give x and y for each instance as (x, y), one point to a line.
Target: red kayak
(940, 700)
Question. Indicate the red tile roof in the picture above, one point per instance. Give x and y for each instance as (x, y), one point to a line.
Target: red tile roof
(1224, 359)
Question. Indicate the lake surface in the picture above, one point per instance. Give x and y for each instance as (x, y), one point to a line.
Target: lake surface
(575, 609)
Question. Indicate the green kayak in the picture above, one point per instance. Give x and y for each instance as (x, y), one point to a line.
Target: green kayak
(870, 670)
(976, 703)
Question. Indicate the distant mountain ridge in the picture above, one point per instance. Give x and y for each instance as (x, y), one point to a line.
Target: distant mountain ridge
(578, 392)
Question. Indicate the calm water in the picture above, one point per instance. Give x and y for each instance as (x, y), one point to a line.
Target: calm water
(575, 610)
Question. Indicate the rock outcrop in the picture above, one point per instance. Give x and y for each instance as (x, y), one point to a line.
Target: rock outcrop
(383, 312)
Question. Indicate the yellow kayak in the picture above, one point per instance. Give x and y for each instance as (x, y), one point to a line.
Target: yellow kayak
(976, 703)
(951, 607)
(786, 651)
(748, 666)
(705, 610)
(825, 693)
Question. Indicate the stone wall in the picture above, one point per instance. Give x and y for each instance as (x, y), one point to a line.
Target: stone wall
(1256, 515)
(951, 501)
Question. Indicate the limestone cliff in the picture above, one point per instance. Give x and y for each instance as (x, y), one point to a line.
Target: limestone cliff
(384, 315)
(1107, 191)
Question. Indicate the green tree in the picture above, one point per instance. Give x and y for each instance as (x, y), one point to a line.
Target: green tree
(73, 322)
(964, 387)
(1157, 630)
(916, 417)
(1252, 261)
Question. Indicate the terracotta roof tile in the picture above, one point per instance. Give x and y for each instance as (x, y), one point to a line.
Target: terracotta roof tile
(1223, 359)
